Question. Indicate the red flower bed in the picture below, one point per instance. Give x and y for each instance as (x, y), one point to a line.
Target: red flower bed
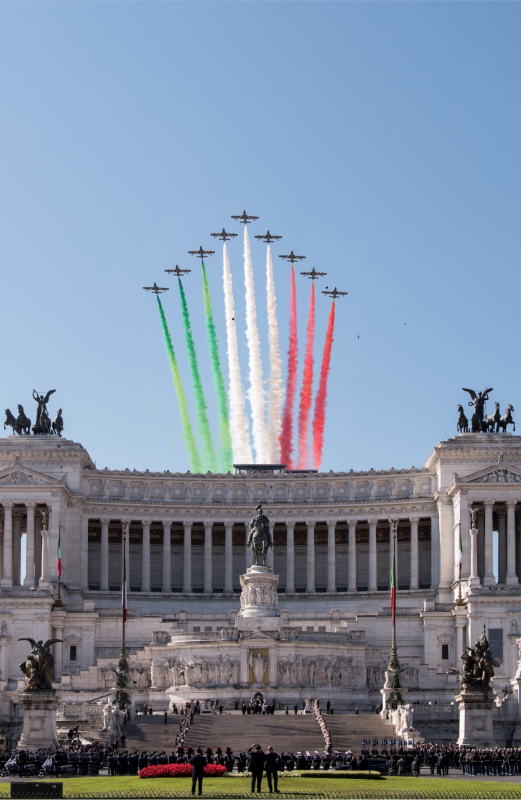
(180, 771)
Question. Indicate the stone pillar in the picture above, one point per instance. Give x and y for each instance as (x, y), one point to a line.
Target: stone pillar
(228, 557)
(474, 579)
(436, 577)
(489, 579)
(331, 556)
(52, 542)
(84, 552)
(310, 550)
(475, 718)
(270, 555)
(460, 620)
(44, 576)
(39, 720)
(351, 555)
(127, 549)
(7, 555)
(391, 544)
(166, 586)
(511, 576)
(145, 564)
(208, 564)
(104, 556)
(187, 558)
(373, 577)
(414, 553)
(290, 557)
(29, 550)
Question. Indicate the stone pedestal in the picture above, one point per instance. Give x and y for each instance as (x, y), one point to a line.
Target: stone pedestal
(258, 600)
(475, 718)
(39, 725)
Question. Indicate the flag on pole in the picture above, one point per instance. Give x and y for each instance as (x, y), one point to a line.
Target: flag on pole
(124, 608)
(393, 583)
(59, 555)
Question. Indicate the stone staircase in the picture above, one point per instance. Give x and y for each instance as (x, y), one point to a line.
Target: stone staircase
(150, 733)
(284, 732)
(348, 731)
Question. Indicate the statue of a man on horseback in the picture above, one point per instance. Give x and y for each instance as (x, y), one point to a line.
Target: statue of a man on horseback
(259, 537)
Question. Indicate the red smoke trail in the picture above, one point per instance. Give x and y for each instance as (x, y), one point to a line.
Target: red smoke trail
(320, 402)
(286, 444)
(307, 386)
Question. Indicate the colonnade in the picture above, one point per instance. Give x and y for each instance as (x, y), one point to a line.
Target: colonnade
(349, 554)
(493, 516)
(38, 522)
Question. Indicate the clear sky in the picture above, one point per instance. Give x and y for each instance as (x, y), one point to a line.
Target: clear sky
(382, 140)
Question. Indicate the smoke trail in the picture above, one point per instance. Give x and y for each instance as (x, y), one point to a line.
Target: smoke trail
(256, 390)
(204, 426)
(239, 423)
(275, 385)
(286, 435)
(320, 401)
(307, 386)
(195, 461)
(222, 404)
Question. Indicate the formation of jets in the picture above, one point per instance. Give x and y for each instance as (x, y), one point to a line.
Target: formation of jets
(224, 235)
(244, 217)
(267, 237)
(334, 293)
(177, 271)
(201, 253)
(313, 274)
(156, 289)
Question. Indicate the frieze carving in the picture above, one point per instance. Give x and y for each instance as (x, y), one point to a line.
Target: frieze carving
(19, 478)
(203, 671)
(308, 671)
(498, 476)
(376, 676)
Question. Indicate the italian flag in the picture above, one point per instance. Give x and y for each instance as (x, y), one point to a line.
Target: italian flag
(59, 555)
(393, 587)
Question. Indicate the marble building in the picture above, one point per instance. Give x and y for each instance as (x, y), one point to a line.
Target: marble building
(187, 552)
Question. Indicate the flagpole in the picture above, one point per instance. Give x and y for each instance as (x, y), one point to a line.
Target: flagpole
(122, 698)
(58, 602)
(392, 674)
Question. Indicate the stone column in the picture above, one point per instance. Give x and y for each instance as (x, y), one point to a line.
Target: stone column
(474, 579)
(460, 620)
(228, 557)
(29, 550)
(208, 576)
(391, 543)
(331, 556)
(373, 577)
(511, 577)
(52, 543)
(310, 551)
(290, 557)
(489, 579)
(502, 544)
(187, 558)
(414, 553)
(104, 556)
(270, 556)
(7, 556)
(167, 557)
(127, 550)
(84, 552)
(351, 555)
(436, 577)
(145, 564)
(44, 576)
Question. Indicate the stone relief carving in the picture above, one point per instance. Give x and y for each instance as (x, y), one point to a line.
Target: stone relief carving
(320, 671)
(18, 478)
(205, 671)
(258, 595)
(376, 676)
(498, 476)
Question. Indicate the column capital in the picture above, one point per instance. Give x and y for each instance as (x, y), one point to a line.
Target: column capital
(290, 523)
(372, 521)
(105, 520)
(228, 523)
(331, 523)
(167, 523)
(488, 503)
(207, 524)
(30, 504)
(146, 523)
(511, 503)
(351, 521)
(7, 503)
(414, 519)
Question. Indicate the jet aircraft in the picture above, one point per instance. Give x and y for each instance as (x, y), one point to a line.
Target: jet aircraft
(244, 217)
(267, 237)
(201, 253)
(223, 235)
(177, 271)
(313, 274)
(292, 257)
(334, 293)
(156, 289)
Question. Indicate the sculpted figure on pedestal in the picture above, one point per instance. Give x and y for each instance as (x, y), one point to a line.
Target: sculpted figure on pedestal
(478, 665)
(38, 666)
(259, 537)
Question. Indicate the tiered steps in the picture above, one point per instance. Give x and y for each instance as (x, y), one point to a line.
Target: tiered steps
(349, 731)
(151, 733)
(284, 732)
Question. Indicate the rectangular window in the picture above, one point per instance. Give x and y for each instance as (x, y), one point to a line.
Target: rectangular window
(72, 652)
(196, 628)
(444, 652)
(495, 639)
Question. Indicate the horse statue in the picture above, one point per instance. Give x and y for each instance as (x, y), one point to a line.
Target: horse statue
(259, 537)
(463, 423)
(10, 421)
(493, 420)
(506, 419)
(23, 422)
(57, 425)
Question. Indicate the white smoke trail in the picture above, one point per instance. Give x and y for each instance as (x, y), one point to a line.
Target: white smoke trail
(239, 424)
(256, 390)
(275, 393)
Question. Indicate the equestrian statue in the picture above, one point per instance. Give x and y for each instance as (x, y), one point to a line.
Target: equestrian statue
(259, 537)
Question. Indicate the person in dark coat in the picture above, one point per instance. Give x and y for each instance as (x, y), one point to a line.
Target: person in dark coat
(271, 765)
(256, 766)
(198, 762)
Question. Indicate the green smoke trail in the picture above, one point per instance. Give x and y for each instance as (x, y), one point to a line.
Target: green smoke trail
(222, 404)
(204, 426)
(195, 461)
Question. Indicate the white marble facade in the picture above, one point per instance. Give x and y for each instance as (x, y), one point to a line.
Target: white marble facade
(331, 554)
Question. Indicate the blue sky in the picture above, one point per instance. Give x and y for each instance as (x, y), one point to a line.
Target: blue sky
(382, 140)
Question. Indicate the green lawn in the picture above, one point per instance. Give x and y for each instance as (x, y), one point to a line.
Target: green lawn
(291, 786)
